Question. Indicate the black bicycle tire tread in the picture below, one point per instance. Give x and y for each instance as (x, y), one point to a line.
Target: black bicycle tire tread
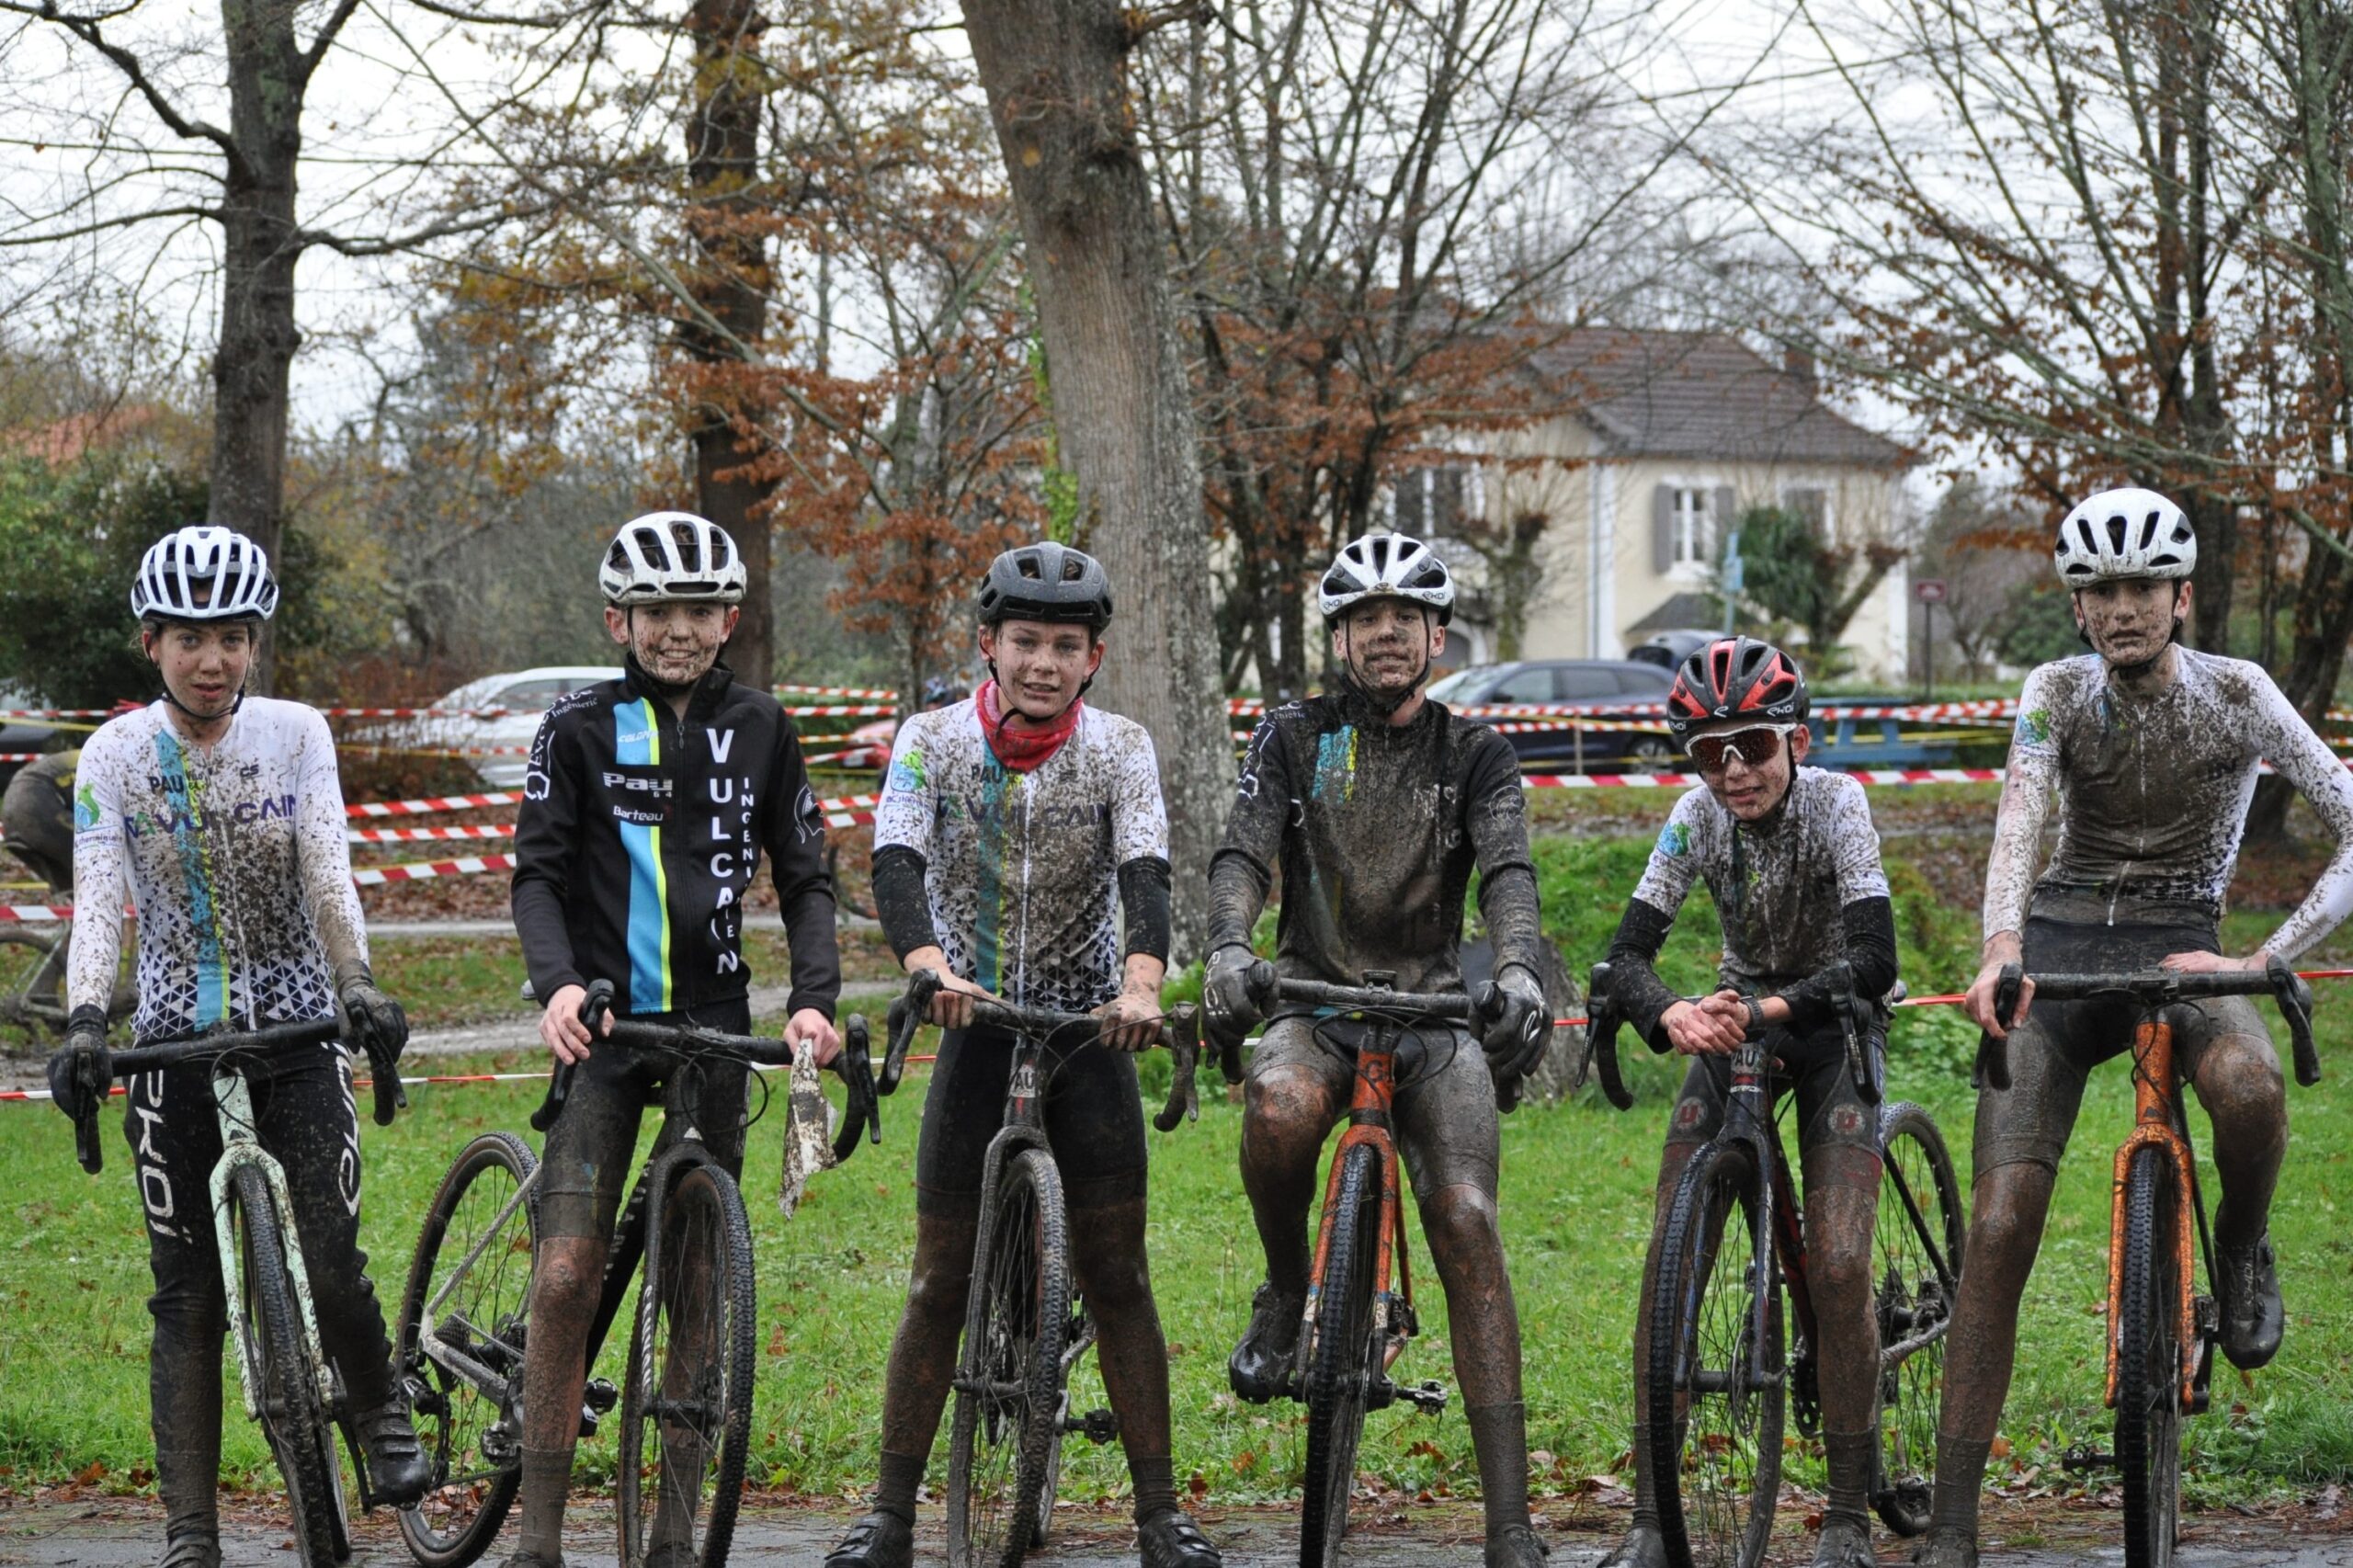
(1897, 1118)
(734, 1437)
(2144, 1179)
(277, 1335)
(1036, 1167)
(1666, 1451)
(1319, 1540)
(494, 1148)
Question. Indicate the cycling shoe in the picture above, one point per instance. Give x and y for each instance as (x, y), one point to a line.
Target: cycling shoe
(1515, 1546)
(1946, 1548)
(193, 1551)
(521, 1559)
(398, 1471)
(1173, 1540)
(1845, 1543)
(878, 1541)
(1640, 1549)
(1261, 1367)
(2253, 1314)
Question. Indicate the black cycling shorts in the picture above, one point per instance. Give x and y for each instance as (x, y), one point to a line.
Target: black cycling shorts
(1831, 1110)
(2052, 1054)
(1448, 1132)
(586, 1161)
(1093, 1115)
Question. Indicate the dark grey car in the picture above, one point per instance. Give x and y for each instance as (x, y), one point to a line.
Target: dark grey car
(1600, 686)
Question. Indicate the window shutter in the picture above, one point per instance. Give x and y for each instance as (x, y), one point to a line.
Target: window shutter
(1662, 529)
(1721, 516)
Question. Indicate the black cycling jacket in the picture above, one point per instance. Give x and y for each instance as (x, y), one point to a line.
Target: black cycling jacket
(639, 835)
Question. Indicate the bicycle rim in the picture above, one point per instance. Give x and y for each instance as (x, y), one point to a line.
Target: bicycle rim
(1009, 1374)
(297, 1429)
(686, 1403)
(1915, 1256)
(472, 1435)
(2148, 1363)
(1717, 1394)
(1345, 1359)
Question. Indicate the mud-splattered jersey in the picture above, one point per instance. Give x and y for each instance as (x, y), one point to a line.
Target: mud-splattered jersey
(234, 857)
(1779, 885)
(2154, 790)
(1022, 868)
(1376, 829)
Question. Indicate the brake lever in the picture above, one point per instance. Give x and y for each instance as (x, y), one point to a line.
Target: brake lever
(2295, 999)
(1184, 1038)
(1994, 1055)
(87, 1148)
(1851, 1029)
(391, 1095)
(907, 1015)
(1601, 1025)
(592, 1008)
(856, 1069)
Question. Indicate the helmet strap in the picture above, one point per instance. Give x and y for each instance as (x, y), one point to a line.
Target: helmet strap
(235, 703)
(1382, 705)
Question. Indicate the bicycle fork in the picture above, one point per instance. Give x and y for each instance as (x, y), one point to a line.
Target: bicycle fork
(2152, 1089)
(240, 1151)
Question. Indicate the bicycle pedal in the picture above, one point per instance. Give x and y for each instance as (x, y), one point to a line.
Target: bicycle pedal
(1428, 1397)
(600, 1394)
(2083, 1457)
(1098, 1426)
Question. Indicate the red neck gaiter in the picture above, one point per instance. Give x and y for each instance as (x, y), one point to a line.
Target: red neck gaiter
(1022, 750)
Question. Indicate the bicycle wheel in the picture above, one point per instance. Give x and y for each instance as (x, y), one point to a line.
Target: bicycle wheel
(1076, 1341)
(1345, 1358)
(293, 1418)
(2148, 1361)
(32, 975)
(1915, 1256)
(472, 1273)
(1717, 1378)
(686, 1403)
(1008, 1376)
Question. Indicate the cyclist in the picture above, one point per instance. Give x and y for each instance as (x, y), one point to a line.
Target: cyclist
(647, 804)
(1023, 786)
(2152, 749)
(1792, 861)
(1375, 804)
(37, 814)
(220, 817)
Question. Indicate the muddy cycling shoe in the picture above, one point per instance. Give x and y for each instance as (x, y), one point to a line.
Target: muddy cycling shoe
(398, 1471)
(2253, 1315)
(521, 1559)
(1515, 1546)
(878, 1541)
(192, 1550)
(1173, 1540)
(1643, 1548)
(673, 1554)
(1845, 1543)
(1946, 1548)
(1260, 1369)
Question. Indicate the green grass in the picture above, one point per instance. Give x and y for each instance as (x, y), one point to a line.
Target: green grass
(1575, 1204)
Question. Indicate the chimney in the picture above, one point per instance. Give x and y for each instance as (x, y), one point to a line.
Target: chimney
(1797, 363)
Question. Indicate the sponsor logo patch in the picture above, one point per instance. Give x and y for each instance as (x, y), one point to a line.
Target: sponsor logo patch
(1687, 1114)
(1846, 1121)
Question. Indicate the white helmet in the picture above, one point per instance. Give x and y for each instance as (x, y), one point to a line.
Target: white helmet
(1386, 566)
(204, 573)
(2124, 533)
(671, 555)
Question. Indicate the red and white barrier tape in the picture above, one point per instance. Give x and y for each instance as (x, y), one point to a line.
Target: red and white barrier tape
(433, 803)
(415, 835)
(870, 693)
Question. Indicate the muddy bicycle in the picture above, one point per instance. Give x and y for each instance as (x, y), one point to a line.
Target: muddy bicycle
(1025, 1324)
(686, 1403)
(1733, 1346)
(2161, 1332)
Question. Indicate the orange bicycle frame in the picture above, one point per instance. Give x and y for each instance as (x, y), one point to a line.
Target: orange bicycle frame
(2153, 1093)
(1369, 1123)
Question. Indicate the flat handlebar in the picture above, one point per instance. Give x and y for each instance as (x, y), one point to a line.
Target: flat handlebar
(2152, 989)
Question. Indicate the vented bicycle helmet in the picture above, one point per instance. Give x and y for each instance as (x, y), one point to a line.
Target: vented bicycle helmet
(1386, 566)
(666, 556)
(1736, 677)
(2124, 533)
(1046, 581)
(204, 573)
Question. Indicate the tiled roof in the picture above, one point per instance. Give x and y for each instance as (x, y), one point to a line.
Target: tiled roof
(1698, 395)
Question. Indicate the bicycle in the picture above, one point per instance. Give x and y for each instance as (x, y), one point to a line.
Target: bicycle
(1354, 1327)
(687, 1399)
(1024, 1325)
(32, 980)
(1724, 1367)
(290, 1388)
(2161, 1336)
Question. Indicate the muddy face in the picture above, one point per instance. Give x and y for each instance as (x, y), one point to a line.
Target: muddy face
(2131, 622)
(1387, 645)
(1751, 791)
(676, 643)
(204, 663)
(1040, 666)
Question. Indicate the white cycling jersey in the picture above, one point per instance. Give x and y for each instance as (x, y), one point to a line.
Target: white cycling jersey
(2154, 790)
(235, 857)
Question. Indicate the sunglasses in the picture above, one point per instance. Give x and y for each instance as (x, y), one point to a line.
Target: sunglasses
(1755, 746)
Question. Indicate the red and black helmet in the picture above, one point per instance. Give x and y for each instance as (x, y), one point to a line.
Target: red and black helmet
(1736, 677)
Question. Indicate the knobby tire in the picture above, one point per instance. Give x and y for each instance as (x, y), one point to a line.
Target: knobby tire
(1009, 1372)
(1715, 1451)
(299, 1433)
(687, 1403)
(1345, 1359)
(2148, 1362)
(1913, 1286)
(468, 1497)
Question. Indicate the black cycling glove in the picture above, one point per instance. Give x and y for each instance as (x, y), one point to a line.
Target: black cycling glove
(1225, 988)
(81, 1072)
(1515, 1039)
(377, 1023)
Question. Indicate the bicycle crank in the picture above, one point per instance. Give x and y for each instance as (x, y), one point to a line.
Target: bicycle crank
(2082, 1457)
(1381, 1393)
(1098, 1426)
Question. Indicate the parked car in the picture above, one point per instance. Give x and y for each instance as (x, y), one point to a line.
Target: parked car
(1600, 686)
(18, 736)
(1669, 649)
(523, 695)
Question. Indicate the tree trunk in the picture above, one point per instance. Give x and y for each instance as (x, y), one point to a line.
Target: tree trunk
(260, 243)
(1056, 71)
(730, 280)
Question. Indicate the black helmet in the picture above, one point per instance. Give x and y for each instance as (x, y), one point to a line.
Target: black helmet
(1735, 677)
(1046, 581)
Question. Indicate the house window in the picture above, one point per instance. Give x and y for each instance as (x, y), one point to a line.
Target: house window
(1431, 503)
(1693, 529)
(1812, 504)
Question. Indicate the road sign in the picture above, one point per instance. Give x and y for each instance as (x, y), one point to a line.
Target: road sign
(1930, 590)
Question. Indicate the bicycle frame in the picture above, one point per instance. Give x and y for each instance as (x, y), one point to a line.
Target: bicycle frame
(1369, 1124)
(2156, 1095)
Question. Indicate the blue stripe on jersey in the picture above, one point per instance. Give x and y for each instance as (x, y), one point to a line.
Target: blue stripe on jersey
(637, 742)
(993, 827)
(196, 868)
